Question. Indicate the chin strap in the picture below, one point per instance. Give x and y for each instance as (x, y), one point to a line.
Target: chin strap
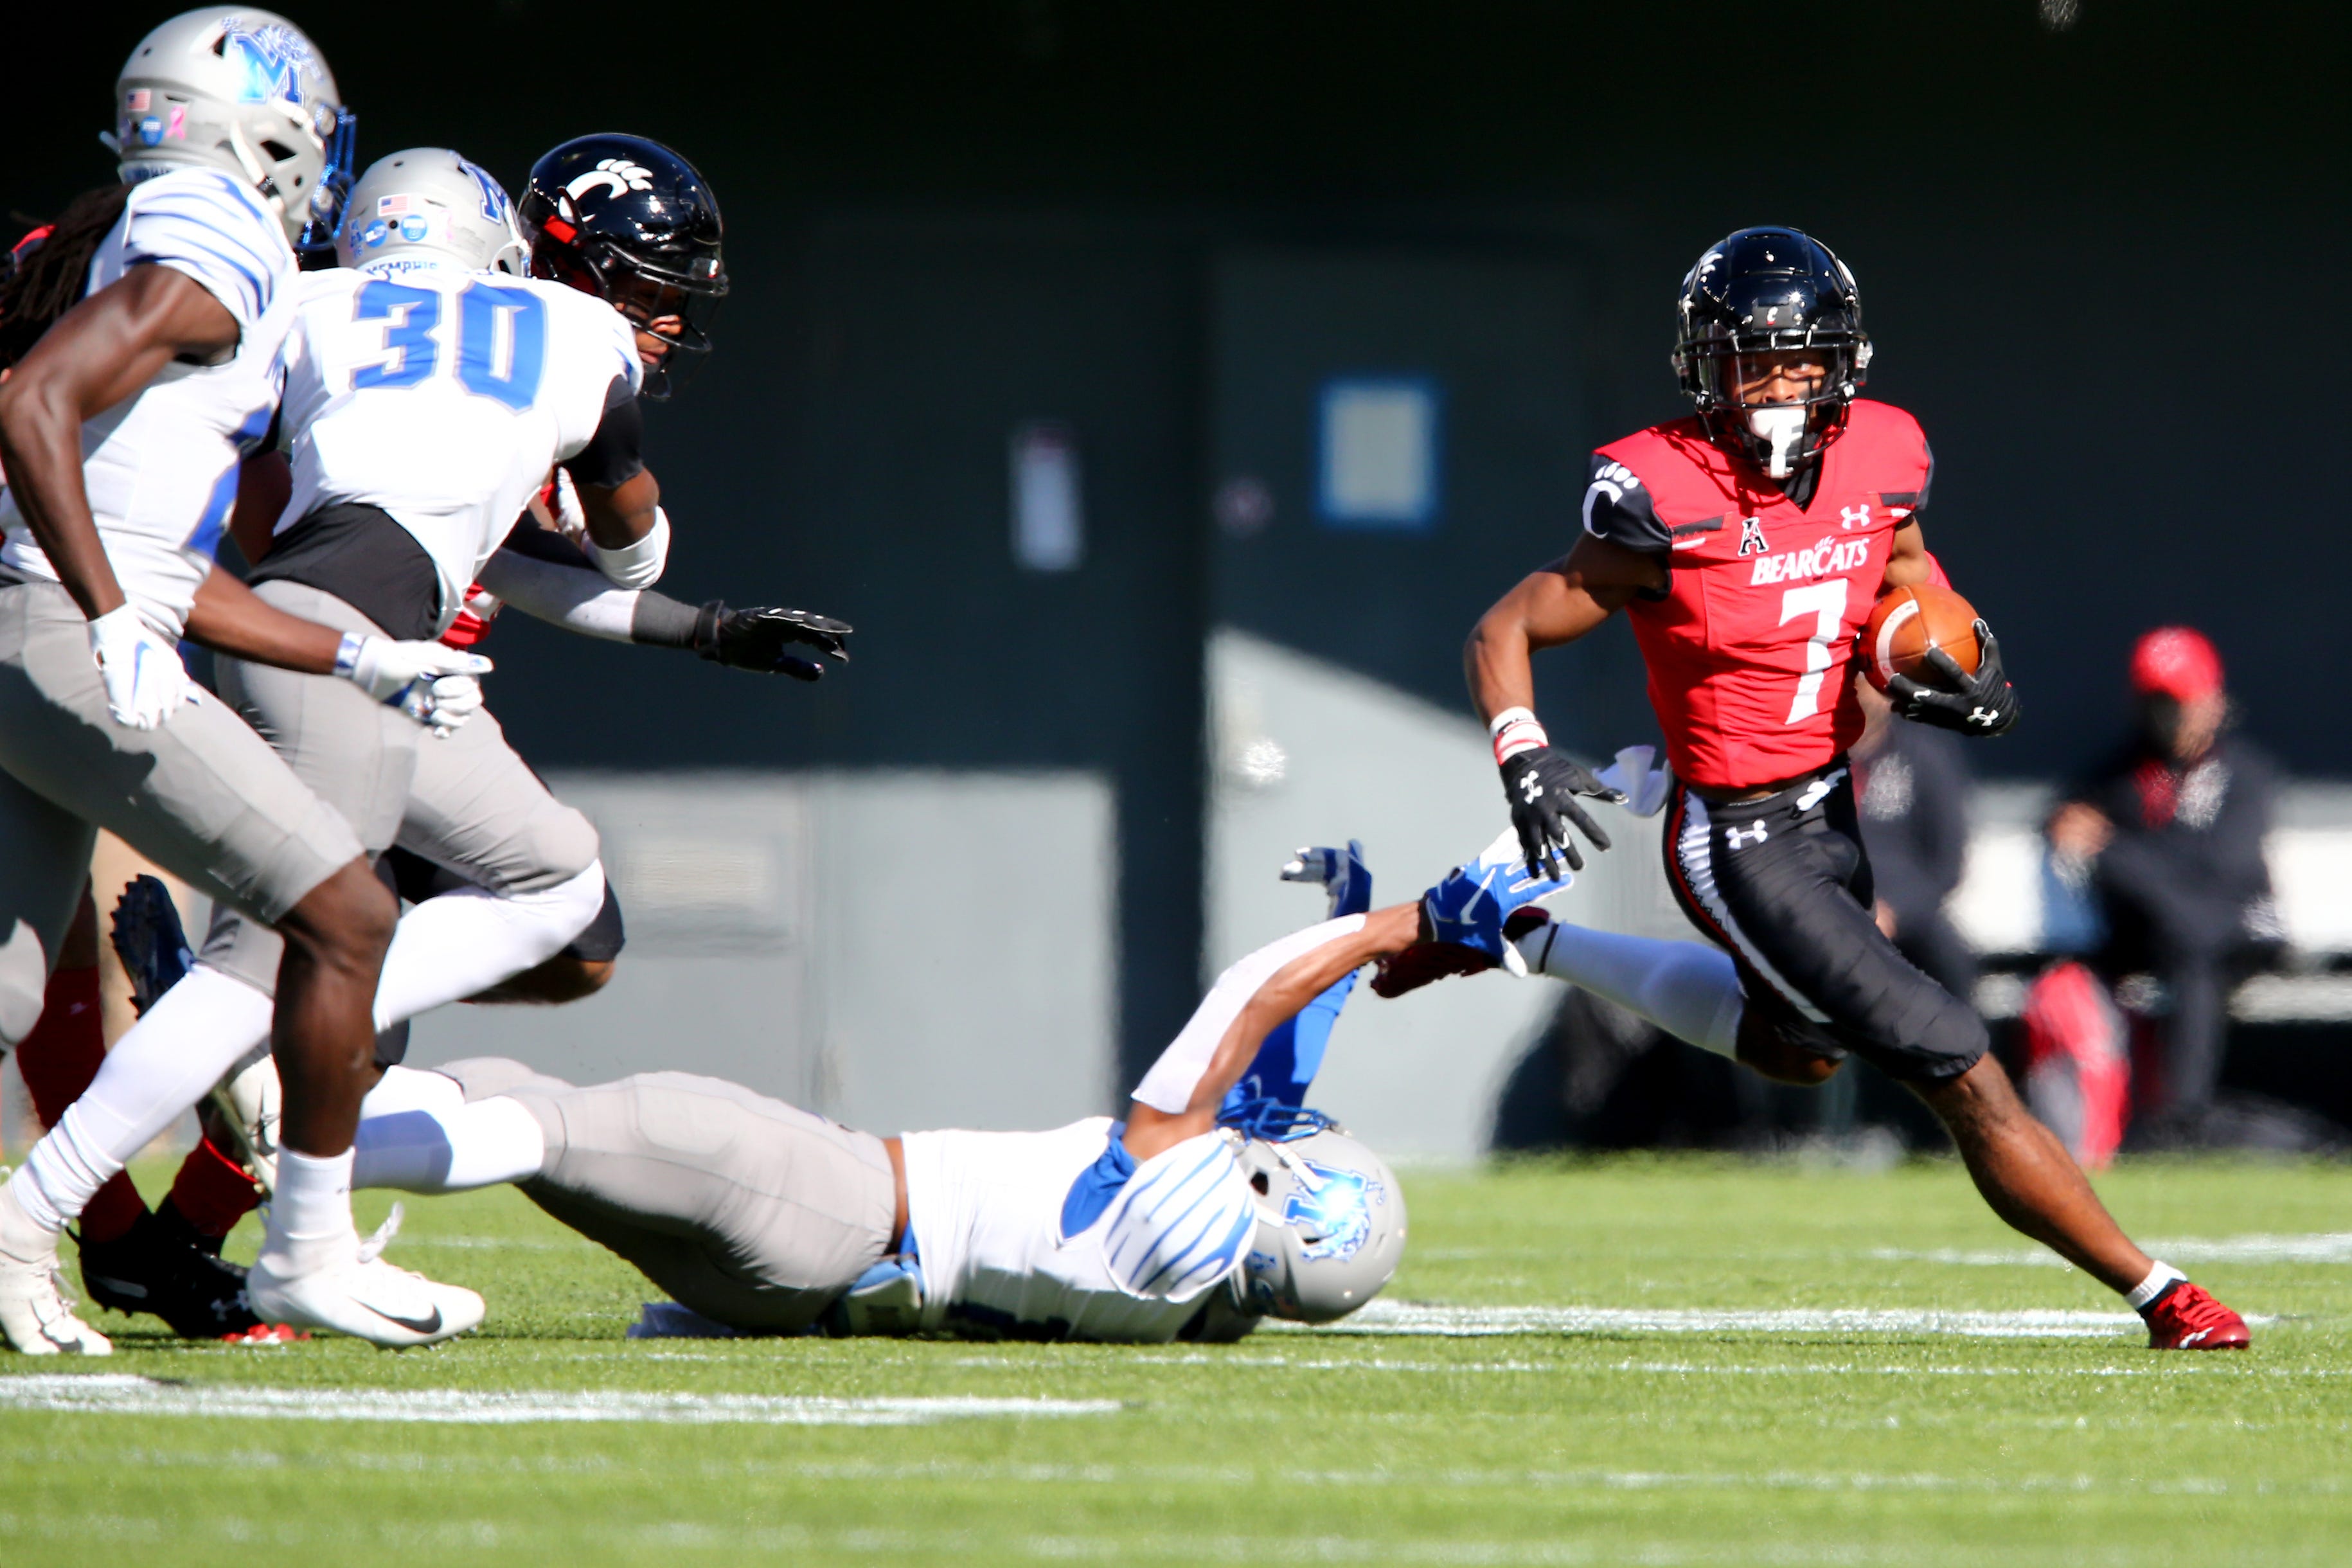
(1784, 427)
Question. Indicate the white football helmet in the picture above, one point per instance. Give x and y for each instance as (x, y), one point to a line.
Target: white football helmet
(430, 204)
(1330, 1226)
(244, 91)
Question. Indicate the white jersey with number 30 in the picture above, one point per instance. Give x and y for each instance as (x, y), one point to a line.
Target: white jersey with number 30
(444, 397)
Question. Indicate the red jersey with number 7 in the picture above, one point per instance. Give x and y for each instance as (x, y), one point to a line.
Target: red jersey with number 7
(1748, 649)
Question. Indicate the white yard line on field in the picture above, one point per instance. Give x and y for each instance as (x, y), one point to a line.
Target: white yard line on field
(112, 1393)
(2316, 1246)
(1385, 1317)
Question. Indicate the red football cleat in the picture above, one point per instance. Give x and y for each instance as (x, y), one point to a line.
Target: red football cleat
(2190, 1320)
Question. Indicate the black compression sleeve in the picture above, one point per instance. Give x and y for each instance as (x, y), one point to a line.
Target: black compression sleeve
(663, 622)
(613, 456)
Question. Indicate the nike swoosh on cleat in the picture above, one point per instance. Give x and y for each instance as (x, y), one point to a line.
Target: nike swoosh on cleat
(414, 1325)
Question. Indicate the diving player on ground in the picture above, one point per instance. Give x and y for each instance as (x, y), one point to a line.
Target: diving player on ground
(1747, 543)
(1219, 1200)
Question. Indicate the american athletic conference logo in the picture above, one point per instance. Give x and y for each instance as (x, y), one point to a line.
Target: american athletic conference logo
(1337, 1209)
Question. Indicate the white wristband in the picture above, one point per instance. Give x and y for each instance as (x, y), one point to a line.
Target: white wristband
(637, 566)
(1515, 730)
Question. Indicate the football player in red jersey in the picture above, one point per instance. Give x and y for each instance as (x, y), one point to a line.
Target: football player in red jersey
(1747, 543)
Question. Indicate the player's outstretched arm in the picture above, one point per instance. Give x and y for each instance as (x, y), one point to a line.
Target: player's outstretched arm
(1179, 1097)
(541, 574)
(433, 684)
(1557, 604)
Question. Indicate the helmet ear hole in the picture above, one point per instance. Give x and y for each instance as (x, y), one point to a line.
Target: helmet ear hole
(1257, 1180)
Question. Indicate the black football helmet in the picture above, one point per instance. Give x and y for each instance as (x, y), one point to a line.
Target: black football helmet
(1765, 290)
(630, 221)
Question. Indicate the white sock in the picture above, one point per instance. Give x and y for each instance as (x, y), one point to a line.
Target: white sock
(1689, 991)
(2149, 1289)
(450, 1150)
(455, 944)
(193, 1034)
(311, 1214)
(411, 1088)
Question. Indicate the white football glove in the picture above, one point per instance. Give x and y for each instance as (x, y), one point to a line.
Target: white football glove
(145, 681)
(411, 675)
(442, 703)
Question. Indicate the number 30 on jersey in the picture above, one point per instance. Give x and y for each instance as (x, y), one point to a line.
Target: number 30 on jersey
(502, 340)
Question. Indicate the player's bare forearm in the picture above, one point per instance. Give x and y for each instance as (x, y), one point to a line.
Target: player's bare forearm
(263, 485)
(1906, 560)
(1557, 604)
(229, 617)
(622, 516)
(99, 352)
(1384, 931)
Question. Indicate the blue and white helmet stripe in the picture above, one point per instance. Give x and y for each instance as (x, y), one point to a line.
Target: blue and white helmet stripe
(1182, 1222)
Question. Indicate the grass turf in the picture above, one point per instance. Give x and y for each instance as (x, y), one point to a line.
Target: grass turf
(1798, 1446)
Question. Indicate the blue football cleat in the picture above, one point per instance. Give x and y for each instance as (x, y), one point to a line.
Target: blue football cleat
(150, 942)
(1342, 872)
(1472, 906)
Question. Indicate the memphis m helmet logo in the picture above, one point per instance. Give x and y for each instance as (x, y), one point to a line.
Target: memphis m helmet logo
(496, 207)
(617, 175)
(269, 60)
(1337, 1210)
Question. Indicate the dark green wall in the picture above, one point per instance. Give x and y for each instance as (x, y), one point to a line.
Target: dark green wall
(2104, 267)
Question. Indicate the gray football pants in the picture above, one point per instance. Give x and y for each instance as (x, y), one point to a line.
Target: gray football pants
(202, 796)
(755, 1213)
(464, 801)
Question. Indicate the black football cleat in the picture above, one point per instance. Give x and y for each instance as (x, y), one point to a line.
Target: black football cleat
(157, 1268)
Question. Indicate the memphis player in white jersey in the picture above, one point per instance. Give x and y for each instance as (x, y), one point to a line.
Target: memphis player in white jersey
(122, 430)
(1219, 1200)
(430, 387)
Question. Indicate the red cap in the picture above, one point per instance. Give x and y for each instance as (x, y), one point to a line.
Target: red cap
(2175, 662)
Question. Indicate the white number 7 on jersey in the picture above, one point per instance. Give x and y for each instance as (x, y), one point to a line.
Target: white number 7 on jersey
(1825, 602)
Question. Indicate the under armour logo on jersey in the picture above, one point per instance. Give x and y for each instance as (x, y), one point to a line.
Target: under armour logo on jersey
(617, 175)
(1751, 536)
(1741, 838)
(1856, 516)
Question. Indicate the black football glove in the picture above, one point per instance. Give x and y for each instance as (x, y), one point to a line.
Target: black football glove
(1542, 786)
(755, 640)
(1979, 704)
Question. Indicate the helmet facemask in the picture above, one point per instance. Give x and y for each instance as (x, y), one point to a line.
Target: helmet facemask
(1778, 402)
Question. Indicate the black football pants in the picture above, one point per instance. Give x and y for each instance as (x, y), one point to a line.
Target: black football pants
(1783, 885)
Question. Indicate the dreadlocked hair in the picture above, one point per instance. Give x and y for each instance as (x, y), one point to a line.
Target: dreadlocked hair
(47, 280)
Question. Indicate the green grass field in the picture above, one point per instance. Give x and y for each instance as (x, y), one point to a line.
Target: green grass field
(1651, 1435)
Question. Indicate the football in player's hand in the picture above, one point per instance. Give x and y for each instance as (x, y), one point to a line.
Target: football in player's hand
(1907, 622)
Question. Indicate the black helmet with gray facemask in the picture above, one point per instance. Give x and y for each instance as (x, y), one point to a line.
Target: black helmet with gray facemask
(1765, 291)
(630, 221)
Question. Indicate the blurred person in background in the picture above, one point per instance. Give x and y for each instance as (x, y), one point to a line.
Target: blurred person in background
(1912, 789)
(2168, 832)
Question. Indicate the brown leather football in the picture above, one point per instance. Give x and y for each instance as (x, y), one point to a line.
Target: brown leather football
(1907, 622)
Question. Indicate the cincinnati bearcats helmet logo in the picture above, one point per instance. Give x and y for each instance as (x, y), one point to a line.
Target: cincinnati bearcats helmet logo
(617, 175)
